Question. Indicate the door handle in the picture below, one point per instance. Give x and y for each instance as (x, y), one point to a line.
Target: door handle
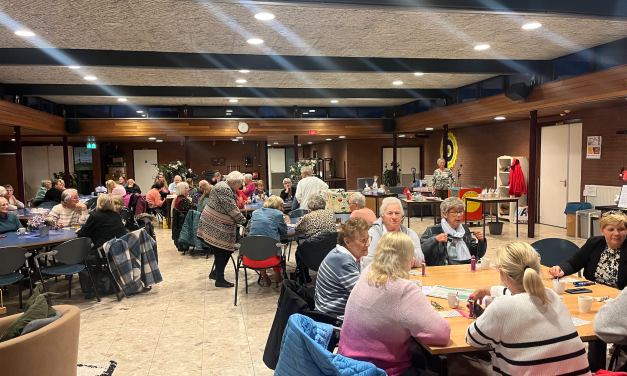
(563, 181)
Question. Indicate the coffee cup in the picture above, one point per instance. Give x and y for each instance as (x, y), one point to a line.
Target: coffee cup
(21, 231)
(585, 303)
(485, 263)
(453, 300)
(559, 286)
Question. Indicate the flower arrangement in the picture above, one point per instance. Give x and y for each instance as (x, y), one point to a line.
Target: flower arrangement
(295, 168)
(174, 168)
(40, 221)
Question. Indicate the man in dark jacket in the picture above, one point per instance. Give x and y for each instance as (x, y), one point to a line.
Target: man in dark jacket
(54, 193)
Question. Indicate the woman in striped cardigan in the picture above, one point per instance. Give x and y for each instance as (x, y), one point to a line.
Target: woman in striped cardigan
(527, 325)
(218, 223)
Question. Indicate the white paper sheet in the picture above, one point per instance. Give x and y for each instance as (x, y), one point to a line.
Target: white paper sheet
(590, 190)
(622, 199)
(578, 321)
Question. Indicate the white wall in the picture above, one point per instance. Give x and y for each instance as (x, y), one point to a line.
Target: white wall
(39, 163)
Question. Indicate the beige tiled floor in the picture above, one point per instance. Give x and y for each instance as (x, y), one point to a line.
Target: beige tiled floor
(185, 326)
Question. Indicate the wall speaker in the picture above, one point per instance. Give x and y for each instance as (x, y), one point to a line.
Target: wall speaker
(389, 125)
(71, 126)
(518, 91)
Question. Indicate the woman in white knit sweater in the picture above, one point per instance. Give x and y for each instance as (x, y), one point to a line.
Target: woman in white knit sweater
(528, 325)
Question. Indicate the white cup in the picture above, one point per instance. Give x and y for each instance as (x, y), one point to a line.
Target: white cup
(21, 231)
(453, 300)
(559, 286)
(485, 263)
(585, 303)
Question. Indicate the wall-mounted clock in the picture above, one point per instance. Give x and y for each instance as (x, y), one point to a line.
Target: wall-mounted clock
(242, 127)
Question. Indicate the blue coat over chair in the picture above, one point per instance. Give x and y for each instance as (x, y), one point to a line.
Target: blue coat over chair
(187, 237)
(304, 353)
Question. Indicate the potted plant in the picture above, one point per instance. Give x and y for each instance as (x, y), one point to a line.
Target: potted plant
(388, 175)
(43, 223)
(295, 168)
(174, 168)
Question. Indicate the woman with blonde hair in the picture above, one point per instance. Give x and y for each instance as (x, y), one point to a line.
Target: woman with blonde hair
(268, 221)
(542, 339)
(385, 309)
(601, 256)
(202, 201)
(105, 222)
(115, 189)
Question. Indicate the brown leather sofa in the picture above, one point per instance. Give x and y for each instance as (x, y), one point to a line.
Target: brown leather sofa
(51, 350)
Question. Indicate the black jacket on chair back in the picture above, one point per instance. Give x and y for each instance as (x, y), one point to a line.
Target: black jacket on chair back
(312, 251)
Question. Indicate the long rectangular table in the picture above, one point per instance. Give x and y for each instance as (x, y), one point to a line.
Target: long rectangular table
(491, 201)
(376, 197)
(459, 276)
(28, 241)
(432, 203)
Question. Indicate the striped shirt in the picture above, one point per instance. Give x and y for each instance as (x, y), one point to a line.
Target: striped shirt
(529, 338)
(68, 217)
(337, 275)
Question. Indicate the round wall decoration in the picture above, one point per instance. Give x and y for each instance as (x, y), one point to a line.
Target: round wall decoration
(451, 150)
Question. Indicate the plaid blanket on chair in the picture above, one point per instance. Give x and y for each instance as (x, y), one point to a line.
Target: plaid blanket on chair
(132, 261)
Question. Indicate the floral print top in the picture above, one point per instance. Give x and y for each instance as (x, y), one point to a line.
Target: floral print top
(443, 179)
(607, 270)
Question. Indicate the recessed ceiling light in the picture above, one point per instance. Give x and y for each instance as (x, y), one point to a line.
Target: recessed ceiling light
(233, 100)
(312, 110)
(152, 138)
(264, 16)
(12, 139)
(562, 114)
(419, 74)
(25, 33)
(481, 47)
(90, 78)
(328, 139)
(401, 135)
(235, 139)
(428, 129)
(499, 118)
(74, 67)
(255, 41)
(334, 101)
(566, 111)
(310, 142)
(229, 110)
(122, 99)
(159, 140)
(397, 83)
(244, 71)
(342, 136)
(269, 145)
(276, 143)
(299, 145)
(531, 25)
(140, 112)
(239, 137)
(240, 85)
(229, 114)
(143, 115)
(241, 81)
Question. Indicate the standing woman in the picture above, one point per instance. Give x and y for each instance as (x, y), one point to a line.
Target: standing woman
(442, 179)
(218, 224)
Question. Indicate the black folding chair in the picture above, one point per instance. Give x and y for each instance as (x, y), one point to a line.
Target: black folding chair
(256, 248)
(554, 251)
(13, 258)
(72, 256)
(311, 253)
(295, 214)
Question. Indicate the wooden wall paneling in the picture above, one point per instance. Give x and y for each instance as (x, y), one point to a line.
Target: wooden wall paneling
(12, 114)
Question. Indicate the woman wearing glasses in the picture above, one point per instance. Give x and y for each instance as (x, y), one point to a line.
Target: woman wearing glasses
(527, 325)
(451, 242)
(603, 258)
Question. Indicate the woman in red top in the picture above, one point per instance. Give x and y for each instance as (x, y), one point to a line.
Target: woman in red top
(182, 203)
(154, 199)
(249, 186)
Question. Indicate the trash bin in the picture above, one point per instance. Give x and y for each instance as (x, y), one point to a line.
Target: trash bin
(571, 209)
(496, 228)
(585, 221)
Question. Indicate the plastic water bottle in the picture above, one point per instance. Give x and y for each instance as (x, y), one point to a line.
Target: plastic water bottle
(473, 264)
(424, 271)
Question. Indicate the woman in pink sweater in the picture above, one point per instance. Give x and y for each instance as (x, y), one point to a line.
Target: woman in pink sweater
(385, 309)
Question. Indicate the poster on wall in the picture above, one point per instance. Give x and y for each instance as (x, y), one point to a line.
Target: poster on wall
(451, 150)
(593, 147)
(82, 159)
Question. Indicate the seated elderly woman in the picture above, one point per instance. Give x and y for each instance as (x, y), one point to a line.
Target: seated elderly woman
(317, 220)
(357, 206)
(340, 269)
(14, 203)
(8, 222)
(69, 212)
(385, 309)
(182, 202)
(288, 193)
(115, 188)
(602, 256)
(154, 199)
(260, 191)
(54, 193)
(451, 242)
(41, 192)
(268, 221)
(249, 186)
(104, 223)
(132, 188)
(202, 200)
(218, 224)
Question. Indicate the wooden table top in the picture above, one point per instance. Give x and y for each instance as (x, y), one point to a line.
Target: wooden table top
(459, 276)
(502, 199)
(423, 202)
